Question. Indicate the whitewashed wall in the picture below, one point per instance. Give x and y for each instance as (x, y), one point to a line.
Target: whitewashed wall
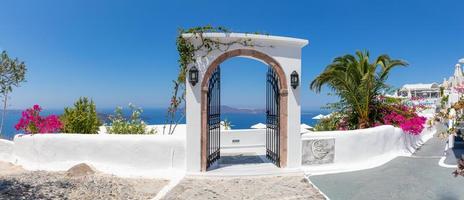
(6, 150)
(165, 155)
(180, 129)
(366, 148)
(243, 138)
(122, 155)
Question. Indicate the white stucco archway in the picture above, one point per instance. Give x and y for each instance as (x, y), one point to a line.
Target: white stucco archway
(281, 53)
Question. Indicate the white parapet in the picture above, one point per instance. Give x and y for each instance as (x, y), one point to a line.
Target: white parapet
(243, 138)
(6, 150)
(121, 155)
(244, 141)
(340, 151)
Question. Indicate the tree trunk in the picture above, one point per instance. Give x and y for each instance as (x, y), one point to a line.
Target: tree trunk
(4, 113)
(363, 123)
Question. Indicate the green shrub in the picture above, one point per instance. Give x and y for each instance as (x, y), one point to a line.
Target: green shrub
(82, 118)
(335, 121)
(327, 124)
(120, 125)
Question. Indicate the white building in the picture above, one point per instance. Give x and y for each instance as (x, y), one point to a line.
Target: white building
(454, 85)
(420, 91)
(455, 81)
(421, 95)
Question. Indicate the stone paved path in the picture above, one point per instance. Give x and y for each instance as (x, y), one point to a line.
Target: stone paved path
(417, 177)
(266, 188)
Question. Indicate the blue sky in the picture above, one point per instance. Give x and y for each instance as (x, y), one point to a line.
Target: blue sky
(124, 51)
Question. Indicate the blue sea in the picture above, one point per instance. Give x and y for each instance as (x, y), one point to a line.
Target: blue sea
(158, 116)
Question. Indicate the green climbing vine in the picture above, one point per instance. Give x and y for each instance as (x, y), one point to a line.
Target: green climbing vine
(188, 51)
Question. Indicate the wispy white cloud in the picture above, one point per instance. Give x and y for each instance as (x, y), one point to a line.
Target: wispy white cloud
(460, 60)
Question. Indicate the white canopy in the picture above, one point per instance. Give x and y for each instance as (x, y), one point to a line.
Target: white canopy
(259, 126)
(305, 126)
(329, 115)
(320, 116)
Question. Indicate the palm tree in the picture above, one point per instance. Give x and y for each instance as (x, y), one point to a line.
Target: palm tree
(357, 81)
(227, 124)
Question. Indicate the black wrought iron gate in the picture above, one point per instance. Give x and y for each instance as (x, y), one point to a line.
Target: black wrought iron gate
(213, 145)
(272, 117)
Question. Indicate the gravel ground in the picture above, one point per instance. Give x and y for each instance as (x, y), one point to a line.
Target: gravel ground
(47, 185)
(275, 187)
(17, 183)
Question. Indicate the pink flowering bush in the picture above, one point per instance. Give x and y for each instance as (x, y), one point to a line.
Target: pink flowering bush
(343, 124)
(414, 125)
(403, 117)
(31, 122)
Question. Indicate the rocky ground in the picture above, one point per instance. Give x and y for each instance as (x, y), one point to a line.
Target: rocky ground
(16, 183)
(266, 188)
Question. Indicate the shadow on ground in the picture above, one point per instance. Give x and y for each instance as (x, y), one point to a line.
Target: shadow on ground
(417, 177)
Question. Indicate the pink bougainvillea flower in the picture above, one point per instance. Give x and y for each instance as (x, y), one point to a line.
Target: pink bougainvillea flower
(31, 122)
(404, 117)
(37, 108)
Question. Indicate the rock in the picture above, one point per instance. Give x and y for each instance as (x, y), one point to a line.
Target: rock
(80, 170)
(7, 168)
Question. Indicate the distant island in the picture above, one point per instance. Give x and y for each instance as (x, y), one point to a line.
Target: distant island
(228, 109)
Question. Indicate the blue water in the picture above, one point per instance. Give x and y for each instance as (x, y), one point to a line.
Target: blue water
(157, 116)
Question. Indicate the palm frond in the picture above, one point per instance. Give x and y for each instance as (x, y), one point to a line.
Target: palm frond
(357, 80)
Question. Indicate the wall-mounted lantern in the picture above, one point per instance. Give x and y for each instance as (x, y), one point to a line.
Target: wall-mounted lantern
(294, 79)
(193, 76)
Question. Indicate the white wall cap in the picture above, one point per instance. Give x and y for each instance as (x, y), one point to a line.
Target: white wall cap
(265, 38)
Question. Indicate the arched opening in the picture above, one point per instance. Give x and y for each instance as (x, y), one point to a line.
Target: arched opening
(276, 109)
